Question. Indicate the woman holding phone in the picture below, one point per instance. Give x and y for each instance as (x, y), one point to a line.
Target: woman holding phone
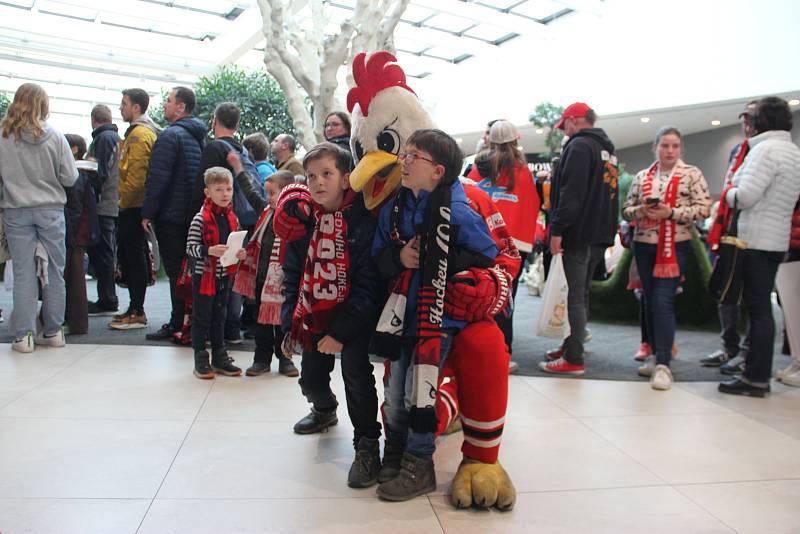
(665, 199)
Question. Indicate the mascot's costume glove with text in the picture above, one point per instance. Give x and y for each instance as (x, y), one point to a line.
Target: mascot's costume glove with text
(473, 384)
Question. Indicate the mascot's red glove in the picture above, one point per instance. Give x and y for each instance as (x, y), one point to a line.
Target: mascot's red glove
(292, 219)
(477, 294)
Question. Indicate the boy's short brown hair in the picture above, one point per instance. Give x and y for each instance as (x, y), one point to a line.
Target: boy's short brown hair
(217, 175)
(443, 149)
(322, 150)
(258, 146)
(281, 178)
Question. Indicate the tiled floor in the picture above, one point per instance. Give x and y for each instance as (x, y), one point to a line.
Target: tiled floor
(115, 439)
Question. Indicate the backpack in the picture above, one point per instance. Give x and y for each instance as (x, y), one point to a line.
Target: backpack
(246, 214)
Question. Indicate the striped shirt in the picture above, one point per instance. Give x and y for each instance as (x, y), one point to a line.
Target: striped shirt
(198, 251)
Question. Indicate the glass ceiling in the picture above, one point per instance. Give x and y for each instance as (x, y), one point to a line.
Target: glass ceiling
(85, 52)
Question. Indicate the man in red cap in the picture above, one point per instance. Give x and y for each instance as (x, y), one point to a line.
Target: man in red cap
(583, 222)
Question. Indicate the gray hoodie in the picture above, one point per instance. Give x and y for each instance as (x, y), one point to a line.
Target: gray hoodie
(34, 172)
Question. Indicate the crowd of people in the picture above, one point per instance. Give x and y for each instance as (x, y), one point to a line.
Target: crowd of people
(316, 266)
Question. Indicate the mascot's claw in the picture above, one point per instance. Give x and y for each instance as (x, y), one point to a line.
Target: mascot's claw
(483, 485)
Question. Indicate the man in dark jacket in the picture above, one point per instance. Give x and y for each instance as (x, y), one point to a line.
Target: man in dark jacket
(583, 222)
(173, 168)
(105, 182)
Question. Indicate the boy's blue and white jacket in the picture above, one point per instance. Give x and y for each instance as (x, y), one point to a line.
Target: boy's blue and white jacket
(470, 245)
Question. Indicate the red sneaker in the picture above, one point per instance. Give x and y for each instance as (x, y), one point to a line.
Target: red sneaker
(553, 355)
(643, 353)
(562, 367)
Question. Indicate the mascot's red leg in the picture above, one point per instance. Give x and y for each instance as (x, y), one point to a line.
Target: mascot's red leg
(479, 361)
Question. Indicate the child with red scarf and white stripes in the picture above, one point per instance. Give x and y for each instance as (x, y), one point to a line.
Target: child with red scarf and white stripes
(664, 200)
(332, 290)
(211, 281)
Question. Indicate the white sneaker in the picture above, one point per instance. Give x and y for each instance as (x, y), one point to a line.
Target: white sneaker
(646, 370)
(56, 340)
(662, 378)
(792, 379)
(793, 368)
(25, 344)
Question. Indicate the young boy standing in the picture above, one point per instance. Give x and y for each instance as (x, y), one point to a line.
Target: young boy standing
(332, 289)
(260, 275)
(211, 281)
(425, 235)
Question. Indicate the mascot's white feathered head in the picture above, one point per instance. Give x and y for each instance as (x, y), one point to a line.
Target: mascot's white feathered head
(384, 112)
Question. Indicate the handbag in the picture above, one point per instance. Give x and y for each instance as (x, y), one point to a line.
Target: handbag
(726, 281)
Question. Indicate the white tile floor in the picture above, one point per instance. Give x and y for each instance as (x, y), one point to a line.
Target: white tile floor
(114, 439)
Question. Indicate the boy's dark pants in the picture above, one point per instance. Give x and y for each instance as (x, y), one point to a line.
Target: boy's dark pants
(359, 385)
(268, 342)
(208, 314)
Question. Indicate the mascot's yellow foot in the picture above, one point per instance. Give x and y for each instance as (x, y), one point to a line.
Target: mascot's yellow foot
(483, 485)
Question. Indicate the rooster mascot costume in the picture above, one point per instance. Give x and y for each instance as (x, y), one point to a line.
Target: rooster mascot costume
(474, 380)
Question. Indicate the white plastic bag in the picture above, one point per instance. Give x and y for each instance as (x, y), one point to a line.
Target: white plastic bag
(553, 321)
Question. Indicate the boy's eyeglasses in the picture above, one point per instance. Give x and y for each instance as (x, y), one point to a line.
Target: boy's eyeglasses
(409, 158)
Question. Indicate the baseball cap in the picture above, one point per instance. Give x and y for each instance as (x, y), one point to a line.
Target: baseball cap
(573, 111)
(501, 132)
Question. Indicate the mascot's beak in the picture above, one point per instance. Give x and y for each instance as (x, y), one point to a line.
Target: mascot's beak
(378, 174)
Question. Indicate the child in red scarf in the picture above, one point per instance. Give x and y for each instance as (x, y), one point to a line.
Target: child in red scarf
(260, 275)
(332, 289)
(211, 281)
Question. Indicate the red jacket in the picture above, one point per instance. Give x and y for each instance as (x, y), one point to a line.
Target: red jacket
(507, 254)
(520, 206)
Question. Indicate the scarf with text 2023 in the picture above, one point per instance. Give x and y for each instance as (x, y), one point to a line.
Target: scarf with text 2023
(666, 260)
(434, 248)
(326, 275)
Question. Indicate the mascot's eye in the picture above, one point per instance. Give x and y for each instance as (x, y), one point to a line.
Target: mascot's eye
(359, 151)
(389, 141)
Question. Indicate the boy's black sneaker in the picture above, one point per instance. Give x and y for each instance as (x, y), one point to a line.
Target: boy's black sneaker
(257, 369)
(392, 455)
(202, 369)
(287, 368)
(416, 477)
(100, 308)
(223, 364)
(165, 332)
(364, 470)
(315, 422)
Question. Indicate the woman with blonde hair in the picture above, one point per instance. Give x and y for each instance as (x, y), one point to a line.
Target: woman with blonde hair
(504, 175)
(665, 199)
(36, 164)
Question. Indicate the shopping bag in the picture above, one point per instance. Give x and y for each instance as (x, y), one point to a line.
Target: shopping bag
(553, 321)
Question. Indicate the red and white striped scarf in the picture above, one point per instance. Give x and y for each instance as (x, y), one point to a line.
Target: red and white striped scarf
(666, 259)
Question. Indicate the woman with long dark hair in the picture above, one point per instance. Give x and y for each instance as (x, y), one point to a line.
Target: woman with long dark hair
(505, 176)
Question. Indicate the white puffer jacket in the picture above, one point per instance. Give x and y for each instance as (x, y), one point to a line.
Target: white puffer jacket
(766, 188)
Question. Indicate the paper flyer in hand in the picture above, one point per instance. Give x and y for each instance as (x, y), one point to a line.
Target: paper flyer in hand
(235, 242)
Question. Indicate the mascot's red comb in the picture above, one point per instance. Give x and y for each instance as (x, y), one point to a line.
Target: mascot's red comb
(379, 73)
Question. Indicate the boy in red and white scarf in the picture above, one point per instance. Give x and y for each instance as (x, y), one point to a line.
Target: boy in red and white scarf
(260, 274)
(211, 281)
(332, 290)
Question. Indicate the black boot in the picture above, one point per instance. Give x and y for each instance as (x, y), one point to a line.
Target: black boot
(202, 369)
(223, 364)
(367, 463)
(315, 422)
(416, 477)
(392, 454)
(737, 386)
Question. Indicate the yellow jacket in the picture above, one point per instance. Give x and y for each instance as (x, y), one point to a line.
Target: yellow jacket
(134, 162)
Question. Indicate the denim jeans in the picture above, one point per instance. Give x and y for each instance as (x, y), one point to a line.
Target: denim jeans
(24, 228)
(729, 319)
(359, 385)
(398, 384)
(759, 268)
(579, 266)
(659, 297)
(103, 258)
(208, 314)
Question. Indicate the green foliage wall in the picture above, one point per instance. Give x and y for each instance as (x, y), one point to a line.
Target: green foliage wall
(5, 101)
